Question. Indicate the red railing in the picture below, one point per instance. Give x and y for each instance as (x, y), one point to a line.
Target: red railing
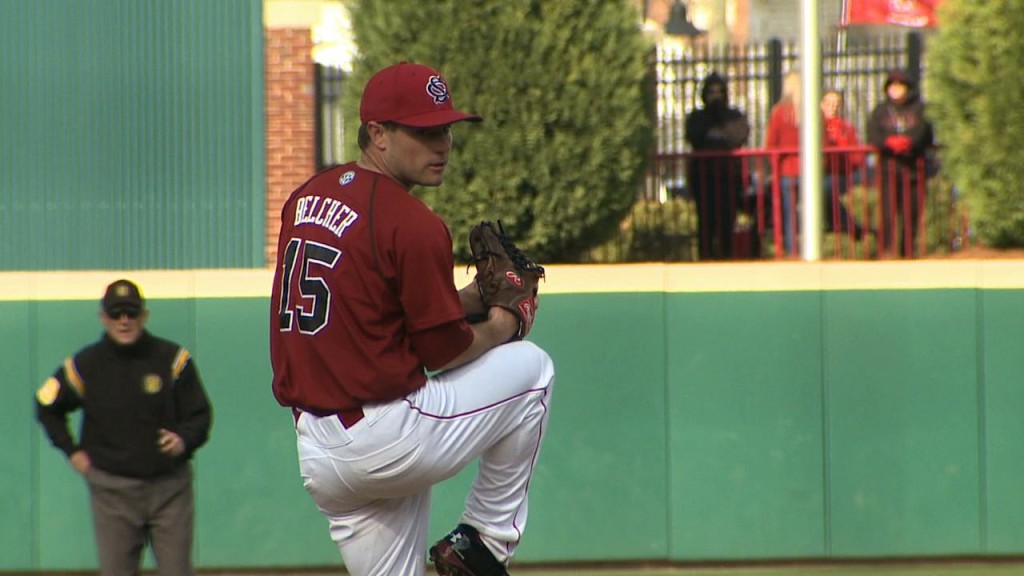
(874, 206)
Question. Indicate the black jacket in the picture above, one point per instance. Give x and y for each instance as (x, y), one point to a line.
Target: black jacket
(716, 127)
(127, 393)
(908, 119)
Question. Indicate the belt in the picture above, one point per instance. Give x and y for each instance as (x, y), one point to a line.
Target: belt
(348, 418)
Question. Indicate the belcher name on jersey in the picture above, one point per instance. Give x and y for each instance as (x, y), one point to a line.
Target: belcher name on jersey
(329, 213)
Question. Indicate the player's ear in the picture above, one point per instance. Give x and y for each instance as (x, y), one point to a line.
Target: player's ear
(376, 131)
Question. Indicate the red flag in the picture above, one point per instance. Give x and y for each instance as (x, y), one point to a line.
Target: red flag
(913, 13)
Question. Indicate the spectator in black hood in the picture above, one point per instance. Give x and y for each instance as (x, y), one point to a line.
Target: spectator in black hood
(902, 134)
(716, 182)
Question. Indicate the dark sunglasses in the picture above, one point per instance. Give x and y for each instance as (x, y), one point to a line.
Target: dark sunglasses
(131, 313)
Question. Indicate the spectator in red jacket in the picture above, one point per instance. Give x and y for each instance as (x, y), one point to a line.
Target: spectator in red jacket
(841, 166)
(784, 133)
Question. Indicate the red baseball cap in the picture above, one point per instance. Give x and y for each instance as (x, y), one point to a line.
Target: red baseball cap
(410, 95)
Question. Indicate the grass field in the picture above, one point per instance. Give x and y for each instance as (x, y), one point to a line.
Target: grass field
(958, 568)
(966, 569)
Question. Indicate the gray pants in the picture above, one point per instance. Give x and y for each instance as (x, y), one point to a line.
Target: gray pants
(129, 512)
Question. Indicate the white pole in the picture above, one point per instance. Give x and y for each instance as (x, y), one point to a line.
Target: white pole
(844, 13)
(811, 205)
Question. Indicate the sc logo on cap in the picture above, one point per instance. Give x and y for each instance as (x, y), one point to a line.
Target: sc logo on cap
(437, 90)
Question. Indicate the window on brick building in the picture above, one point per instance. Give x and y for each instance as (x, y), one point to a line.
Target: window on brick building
(330, 125)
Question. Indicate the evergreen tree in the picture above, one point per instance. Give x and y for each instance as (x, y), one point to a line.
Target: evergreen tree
(976, 96)
(561, 87)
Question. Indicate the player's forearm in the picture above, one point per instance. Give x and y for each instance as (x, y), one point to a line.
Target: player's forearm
(499, 328)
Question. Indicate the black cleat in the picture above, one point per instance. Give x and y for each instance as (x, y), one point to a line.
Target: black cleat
(462, 553)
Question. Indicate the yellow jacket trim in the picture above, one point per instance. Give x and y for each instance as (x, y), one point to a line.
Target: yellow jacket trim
(73, 377)
(180, 361)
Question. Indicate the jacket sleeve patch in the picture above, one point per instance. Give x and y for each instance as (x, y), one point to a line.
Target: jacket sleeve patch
(47, 393)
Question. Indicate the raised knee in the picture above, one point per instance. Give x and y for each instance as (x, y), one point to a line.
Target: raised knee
(541, 362)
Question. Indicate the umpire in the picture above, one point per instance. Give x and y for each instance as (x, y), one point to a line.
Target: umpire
(145, 413)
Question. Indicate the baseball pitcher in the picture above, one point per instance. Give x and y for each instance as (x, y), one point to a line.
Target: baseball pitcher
(391, 388)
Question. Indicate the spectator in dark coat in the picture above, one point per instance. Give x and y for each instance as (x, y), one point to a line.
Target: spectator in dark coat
(716, 182)
(902, 134)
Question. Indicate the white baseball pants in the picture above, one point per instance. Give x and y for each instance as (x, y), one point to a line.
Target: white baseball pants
(373, 480)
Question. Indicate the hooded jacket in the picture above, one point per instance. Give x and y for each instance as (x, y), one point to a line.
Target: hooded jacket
(906, 119)
(716, 126)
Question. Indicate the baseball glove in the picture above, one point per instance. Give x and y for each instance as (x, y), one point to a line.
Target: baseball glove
(505, 276)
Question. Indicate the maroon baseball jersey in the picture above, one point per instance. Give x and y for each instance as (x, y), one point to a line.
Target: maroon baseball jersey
(361, 265)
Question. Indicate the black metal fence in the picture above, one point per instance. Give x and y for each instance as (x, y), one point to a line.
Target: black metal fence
(755, 71)
(661, 222)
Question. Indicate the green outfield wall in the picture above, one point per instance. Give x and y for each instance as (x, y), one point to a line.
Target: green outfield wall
(132, 134)
(701, 412)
